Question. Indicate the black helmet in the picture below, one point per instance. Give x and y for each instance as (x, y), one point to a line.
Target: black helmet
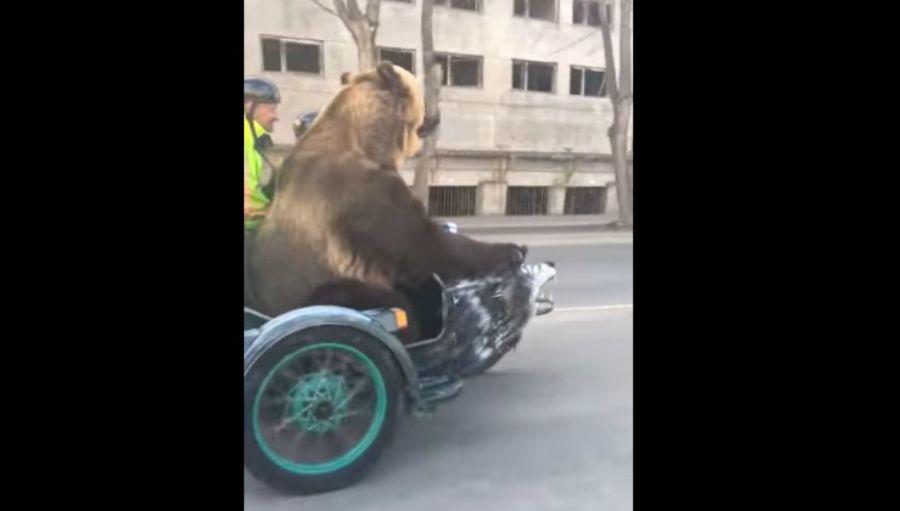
(305, 119)
(261, 90)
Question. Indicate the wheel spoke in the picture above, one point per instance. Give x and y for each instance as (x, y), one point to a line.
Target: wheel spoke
(275, 401)
(356, 390)
(281, 426)
(326, 364)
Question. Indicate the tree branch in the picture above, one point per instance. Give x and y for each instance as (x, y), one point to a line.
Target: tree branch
(353, 7)
(344, 15)
(372, 12)
(326, 9)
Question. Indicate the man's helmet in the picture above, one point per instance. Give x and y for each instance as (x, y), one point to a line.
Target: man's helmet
(261, 90)
(303, 122)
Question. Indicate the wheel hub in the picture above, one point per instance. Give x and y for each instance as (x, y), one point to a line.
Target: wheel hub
(318, 402)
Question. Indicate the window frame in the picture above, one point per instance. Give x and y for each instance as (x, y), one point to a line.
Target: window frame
(283, 53)
(583, 69)
(449, 56)
(528, 16)
(610, 6)
(525, 77)
(402, 50)
(480, 9)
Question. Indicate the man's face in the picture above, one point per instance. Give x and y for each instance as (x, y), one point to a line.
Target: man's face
(266, 114)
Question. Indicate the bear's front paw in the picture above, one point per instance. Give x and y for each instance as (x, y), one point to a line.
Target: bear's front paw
(523, 252)
(514, 255)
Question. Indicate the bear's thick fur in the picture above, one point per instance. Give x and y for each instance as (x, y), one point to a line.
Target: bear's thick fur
(344, 228)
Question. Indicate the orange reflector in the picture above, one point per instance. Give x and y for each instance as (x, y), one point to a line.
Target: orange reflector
(400, 318)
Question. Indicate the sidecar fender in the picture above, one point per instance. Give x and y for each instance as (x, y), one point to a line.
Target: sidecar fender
(375, 323)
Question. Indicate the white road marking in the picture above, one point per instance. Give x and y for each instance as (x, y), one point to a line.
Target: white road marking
(558, 241)
(593, 308)
(590, 312)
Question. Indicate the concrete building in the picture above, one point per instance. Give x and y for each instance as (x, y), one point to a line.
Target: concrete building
(524, 116)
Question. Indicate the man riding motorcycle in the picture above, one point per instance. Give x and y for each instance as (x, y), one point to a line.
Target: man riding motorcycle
(261, 99)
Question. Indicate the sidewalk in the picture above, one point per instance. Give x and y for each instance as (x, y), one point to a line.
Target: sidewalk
(547, 230)
(541, 222)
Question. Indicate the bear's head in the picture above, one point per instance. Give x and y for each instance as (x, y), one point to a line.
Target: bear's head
(380, 113)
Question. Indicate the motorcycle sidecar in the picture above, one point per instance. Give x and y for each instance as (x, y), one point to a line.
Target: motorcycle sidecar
(323, 384)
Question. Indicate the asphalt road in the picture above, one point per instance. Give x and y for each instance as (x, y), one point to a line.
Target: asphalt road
(549, 427)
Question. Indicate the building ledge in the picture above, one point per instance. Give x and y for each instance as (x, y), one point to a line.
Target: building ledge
(503, 153)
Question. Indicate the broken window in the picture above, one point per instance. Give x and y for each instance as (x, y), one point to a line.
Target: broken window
(398, 57)
(459, 70)
(535, 76)
(587, 82)
(468, 5)
(587, 12)
(291, 55)
(536, 9)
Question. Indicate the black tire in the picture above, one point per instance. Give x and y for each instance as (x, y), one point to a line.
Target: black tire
(358, 354)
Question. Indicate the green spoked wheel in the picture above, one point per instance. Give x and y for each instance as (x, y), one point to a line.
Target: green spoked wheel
(319, 407)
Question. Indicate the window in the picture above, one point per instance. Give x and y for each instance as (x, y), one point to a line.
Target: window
(291, 55)
(587, 12)
(403, 58)
(536, 76)
(587, 200)
(271, 54)
(468, 5)
(526, 200)
(585, 81)
(536, 9)
(459, 70)
(451, 200)
(302, 58)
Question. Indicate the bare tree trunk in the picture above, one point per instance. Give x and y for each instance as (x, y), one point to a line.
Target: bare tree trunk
(362, 26)
(621, 102)
(365, 45)
(627, 97)
(426, 164)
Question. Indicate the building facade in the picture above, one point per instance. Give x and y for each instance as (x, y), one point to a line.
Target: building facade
(524, 111)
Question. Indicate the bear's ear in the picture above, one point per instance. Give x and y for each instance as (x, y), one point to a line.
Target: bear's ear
(390, 80)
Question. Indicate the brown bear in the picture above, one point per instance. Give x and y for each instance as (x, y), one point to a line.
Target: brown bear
(344, 228)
